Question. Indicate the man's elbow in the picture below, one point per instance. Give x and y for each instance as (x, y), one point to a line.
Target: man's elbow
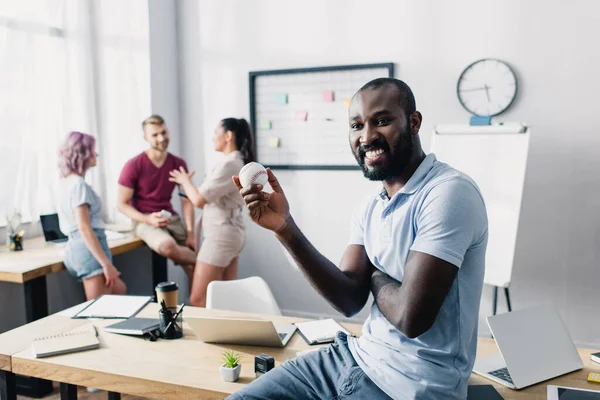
(350, 310)
(413, 327)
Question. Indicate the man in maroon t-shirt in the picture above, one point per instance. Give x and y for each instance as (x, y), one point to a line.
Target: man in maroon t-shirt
(145, 191)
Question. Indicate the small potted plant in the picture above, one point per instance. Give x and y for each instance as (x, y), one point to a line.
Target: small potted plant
(230, 370)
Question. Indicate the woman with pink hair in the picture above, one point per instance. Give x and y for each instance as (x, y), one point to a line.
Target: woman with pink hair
(87, 256)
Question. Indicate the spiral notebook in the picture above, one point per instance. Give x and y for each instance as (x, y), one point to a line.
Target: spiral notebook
(79, 339)
(320, 331)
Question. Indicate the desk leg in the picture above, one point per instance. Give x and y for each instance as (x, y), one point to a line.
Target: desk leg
(159, 269)
(114, 396)
(495, 304)
(8, 386)
(68, 391)
(36, 307)
(36, 299)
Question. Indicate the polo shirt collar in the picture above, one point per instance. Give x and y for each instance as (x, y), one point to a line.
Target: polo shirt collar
(417, 178)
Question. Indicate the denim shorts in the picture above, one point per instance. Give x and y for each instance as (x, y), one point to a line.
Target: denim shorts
(79, 261)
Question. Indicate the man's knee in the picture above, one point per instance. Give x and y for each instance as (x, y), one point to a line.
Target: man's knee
(167, 248)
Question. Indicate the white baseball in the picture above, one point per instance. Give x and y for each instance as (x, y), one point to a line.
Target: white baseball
(253, 174)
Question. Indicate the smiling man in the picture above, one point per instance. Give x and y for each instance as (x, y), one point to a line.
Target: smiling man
(418, 245)
(145, 190)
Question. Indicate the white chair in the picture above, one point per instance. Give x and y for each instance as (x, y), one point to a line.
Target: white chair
(246, 295)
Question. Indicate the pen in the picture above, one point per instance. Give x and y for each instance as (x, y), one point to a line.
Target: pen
(174, 317)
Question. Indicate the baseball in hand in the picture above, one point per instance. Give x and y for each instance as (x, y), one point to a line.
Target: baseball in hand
(253, 174)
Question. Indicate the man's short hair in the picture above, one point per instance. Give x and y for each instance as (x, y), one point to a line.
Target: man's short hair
(405, 95)
(154, 119)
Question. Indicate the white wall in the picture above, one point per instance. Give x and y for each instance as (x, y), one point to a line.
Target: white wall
(550, 44)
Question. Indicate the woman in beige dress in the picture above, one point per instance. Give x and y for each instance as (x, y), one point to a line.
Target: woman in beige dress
(222, 220)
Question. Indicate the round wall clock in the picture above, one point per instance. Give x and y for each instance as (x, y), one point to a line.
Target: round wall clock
(487, 87)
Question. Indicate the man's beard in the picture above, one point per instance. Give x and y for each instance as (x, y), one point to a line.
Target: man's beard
(160, 147)
(398, 158)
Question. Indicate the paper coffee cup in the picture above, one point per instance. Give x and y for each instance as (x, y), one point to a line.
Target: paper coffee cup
(168, 292)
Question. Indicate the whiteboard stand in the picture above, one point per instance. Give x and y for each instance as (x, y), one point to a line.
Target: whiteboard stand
(495, 307)
(495, 157)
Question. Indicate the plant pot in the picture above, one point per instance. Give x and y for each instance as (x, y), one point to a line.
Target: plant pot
(230, 374)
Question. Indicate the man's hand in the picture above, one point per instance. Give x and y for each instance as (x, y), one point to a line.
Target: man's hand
(271, 211)
(111, 274)
(156, 220)
(190, 240)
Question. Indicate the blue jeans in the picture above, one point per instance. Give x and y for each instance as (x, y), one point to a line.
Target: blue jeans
(329, 373)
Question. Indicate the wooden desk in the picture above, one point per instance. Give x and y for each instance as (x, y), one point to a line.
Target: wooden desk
(184, 368)
(30, 268)
(38, 259)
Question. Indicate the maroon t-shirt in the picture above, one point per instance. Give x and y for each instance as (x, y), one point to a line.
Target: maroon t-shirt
(152, 189)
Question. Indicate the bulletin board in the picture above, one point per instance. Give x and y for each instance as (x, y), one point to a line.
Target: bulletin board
(299, 117)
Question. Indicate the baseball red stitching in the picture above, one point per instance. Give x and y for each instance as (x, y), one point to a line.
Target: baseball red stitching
(256, 174)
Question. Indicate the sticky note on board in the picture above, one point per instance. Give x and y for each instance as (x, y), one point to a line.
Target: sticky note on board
(274, 142)
(328, 96)
(347, 103)
(265, 124)
(301, 115)
(281, 98)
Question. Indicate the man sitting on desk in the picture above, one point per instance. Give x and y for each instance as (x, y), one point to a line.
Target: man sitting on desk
(145, 190)
(418, 246)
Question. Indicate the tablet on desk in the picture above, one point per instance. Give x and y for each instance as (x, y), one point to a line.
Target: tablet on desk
(569, 393)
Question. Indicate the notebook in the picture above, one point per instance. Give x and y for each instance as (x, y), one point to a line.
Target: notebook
(320, 331)
(82, 338)
(134, 326)
(114, 306)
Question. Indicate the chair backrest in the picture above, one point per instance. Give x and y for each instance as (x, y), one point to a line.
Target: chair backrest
(247, 295)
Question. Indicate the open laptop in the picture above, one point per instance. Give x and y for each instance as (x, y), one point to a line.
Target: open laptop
(247, 332)
(51, 229)
(534, 346)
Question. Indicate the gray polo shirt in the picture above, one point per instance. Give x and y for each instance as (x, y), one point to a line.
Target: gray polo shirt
(441, 212)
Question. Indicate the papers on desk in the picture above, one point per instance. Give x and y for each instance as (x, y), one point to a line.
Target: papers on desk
(114, 306)
(320, 331)
(113, 235)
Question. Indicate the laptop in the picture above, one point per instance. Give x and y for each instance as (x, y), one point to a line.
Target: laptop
(51, 229)
(534, 346)
(246, 332)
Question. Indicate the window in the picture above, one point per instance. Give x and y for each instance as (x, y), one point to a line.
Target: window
(69, 65)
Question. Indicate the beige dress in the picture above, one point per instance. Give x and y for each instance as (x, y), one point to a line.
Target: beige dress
(222, 220)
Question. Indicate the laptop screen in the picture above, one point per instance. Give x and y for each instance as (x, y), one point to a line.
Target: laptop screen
(51, 227)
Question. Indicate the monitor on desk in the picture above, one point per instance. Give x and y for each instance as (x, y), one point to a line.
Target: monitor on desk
(51, 228)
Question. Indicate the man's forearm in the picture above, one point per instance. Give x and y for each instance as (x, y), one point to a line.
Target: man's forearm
(344, 292)
(388, 296)
(131, 212)
(386, 291)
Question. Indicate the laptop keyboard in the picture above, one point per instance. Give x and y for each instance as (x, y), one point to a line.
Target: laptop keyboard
(282, 336)
(503, 374)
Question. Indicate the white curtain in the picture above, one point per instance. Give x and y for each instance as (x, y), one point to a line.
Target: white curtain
(69, 65)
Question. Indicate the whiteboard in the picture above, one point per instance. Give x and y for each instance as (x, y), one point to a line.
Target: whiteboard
(300, 116)
(497, 163)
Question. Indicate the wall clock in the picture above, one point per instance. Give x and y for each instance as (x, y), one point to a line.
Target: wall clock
(487, 87)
